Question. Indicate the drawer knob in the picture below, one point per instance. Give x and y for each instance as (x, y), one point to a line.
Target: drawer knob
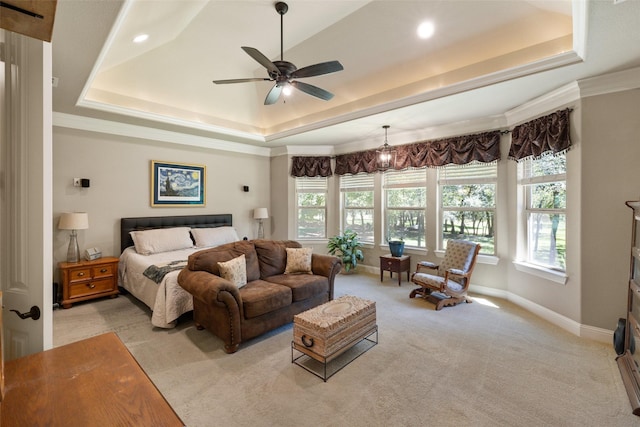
(91, 285)
(104, 270)
(81, 274)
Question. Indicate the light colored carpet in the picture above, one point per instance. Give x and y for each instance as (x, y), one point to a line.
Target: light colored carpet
(488, 363)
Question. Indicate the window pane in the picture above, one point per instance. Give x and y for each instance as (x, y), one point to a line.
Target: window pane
(406, 197)
(547, 239)
(551, 195)
(475, 226)
(311, 199)
(356, 199)
(311, 223)
(360, 221)
(549, 165)
(406, 224)
(474, 195)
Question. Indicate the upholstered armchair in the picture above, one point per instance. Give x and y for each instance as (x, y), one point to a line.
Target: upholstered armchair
(447, 284)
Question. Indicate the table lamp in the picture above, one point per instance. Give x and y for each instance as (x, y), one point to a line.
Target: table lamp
(260, 214)
(73, 221)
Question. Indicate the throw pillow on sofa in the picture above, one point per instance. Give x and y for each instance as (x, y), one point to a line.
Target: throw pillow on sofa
(298, 261)
(234, 270)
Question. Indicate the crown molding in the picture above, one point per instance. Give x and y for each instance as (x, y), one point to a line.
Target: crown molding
(90, 124)
(610, 83)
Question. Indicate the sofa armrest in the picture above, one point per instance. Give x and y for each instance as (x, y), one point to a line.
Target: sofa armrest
(209, 288)
(327, 266)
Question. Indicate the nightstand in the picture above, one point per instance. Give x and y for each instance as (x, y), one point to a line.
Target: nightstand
(87, 280)
(395, 264)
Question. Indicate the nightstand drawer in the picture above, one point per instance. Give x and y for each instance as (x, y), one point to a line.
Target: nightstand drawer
(79, 274)
(90, 287)
(106, 270)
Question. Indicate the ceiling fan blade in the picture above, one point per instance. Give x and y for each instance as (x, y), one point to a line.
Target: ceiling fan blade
(317, 69)
(312, 90)
(273, 95)
(261, 59)
(255, 79)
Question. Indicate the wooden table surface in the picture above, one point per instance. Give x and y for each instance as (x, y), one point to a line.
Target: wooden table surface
(93, 382)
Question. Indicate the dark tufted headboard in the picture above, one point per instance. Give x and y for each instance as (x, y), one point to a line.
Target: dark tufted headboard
(148, 222)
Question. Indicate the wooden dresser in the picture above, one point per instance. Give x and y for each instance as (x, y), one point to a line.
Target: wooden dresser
(93, 382)
(87, 280)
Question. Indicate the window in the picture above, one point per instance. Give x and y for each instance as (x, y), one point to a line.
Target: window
(311, 196)
(405, 196)
(543, 183)
(357, 205)
(468, 204)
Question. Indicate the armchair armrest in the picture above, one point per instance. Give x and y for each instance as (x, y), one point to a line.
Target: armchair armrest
(426, 264)
(457, 272)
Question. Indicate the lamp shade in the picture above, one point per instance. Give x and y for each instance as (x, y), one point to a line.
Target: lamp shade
(260, 213)
(74, 221)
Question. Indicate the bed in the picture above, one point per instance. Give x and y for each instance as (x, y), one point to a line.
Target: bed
(154, 250)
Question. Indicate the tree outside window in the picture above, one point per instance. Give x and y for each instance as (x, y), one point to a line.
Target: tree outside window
(543, 182)
(405, 204)
(468, 204)
(311, 196)
(357, 205)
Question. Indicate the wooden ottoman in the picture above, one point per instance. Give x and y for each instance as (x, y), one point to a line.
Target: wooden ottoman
(327, 331)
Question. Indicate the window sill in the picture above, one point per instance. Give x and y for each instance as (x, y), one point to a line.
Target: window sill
(545, 273)
(407, 250)
(482, 259)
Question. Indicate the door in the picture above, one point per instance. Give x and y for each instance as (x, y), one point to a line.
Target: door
(25, 193)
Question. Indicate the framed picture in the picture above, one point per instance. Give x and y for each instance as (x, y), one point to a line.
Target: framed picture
(177, 184)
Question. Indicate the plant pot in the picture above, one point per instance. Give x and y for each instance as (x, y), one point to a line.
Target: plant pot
(396, 247)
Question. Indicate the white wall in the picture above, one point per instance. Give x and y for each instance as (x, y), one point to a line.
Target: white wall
(119, 169)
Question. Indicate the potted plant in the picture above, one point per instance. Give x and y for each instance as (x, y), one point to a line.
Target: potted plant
(347, 247)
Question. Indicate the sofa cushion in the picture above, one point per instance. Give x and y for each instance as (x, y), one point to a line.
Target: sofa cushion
(234, 271)
(298, 261)
(273, 256)
(208, 259)
(302, 286)
(260, 297)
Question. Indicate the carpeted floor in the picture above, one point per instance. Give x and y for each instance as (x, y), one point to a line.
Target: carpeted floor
(488, 363)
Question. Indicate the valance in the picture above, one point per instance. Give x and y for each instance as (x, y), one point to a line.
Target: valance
(459, 150)
(311, 166)
(544, 135)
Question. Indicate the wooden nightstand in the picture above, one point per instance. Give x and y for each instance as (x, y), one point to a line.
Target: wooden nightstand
(87, 280)
(395, 264)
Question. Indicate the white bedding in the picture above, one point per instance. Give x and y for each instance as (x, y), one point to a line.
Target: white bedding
(166, 299)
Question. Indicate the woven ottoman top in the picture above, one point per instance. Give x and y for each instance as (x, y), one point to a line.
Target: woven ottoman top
(334, 314)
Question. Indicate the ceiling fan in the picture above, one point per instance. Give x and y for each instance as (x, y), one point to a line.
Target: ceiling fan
(283, 72)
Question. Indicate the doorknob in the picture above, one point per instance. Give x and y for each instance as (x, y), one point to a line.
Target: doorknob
(34, 313)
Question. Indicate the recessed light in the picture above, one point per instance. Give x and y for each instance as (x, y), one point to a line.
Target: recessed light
(140, 38)
(426, 30)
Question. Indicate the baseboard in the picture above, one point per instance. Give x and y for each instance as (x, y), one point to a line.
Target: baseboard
(578, 329)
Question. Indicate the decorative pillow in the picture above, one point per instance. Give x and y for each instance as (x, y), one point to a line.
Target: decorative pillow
(207, 237)
(234, 271)
(298, 260)
(157, 240)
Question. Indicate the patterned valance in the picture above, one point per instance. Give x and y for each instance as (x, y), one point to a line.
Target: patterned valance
(459, 150)
(544, 135)
(311, 166)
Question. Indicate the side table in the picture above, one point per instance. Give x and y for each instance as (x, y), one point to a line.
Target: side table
(85, 280)
(395, 264)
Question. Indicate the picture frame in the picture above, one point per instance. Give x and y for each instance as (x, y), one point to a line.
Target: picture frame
(177, 184)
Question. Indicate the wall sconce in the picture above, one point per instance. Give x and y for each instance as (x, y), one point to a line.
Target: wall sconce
(260, 214)
(385, 156)
(73, 221)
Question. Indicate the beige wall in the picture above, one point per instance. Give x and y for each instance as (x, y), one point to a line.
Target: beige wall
(610, 176)
(119, 172)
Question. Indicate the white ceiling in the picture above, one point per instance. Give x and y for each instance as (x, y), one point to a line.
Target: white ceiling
(485, 58)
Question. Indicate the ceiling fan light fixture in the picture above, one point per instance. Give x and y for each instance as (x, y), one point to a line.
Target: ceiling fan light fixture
(287, 90)
(385, 155)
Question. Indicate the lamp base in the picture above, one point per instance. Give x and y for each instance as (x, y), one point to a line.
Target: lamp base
(260, 230)
(73, 252)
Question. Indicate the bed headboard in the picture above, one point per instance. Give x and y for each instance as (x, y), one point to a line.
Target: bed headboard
(144, 223)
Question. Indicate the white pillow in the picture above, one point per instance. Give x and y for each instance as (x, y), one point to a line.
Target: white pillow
(149, 242)
(298, 261)
(234, 271)
(206, 237)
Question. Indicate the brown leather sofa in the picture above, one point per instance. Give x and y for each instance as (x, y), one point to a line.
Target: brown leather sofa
(269, 299)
